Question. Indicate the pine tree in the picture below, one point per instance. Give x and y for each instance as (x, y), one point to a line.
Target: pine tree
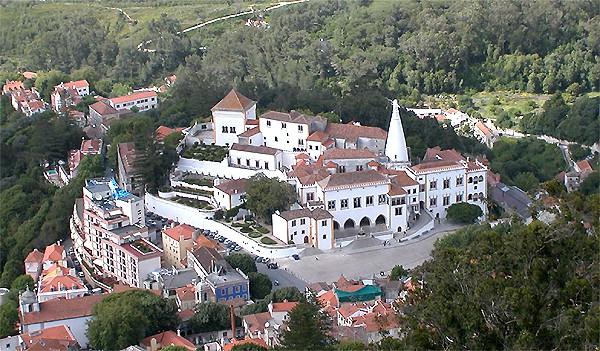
(308, 328)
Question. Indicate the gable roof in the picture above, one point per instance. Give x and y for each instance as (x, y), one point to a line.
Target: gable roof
(352, 132)
(186, 293)
(91, 146)
(235, 186)
(168, 338)
(291, 117)
(52, 338)
(34, 256)
(182, 230)
(432, 166)
(347, 154)
(54, 252)
(61, 309)
(317, 213)
(132, 97)
(257, 321)
(57, 283)
(163, 131)
(206, 256)
(128, 155)
(265, 150)
(437, 154)
(285, 306)
(250, 132)
(352, 179)
(234, 101)
(103, 109)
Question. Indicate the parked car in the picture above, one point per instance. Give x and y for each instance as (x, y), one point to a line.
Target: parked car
(276, 283)
(221, 240)
(237, 248)
(266, 260)
(258, 259)
(295, 257)
(272, 265)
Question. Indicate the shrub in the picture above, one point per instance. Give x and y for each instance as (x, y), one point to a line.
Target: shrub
(267, 241)
(262, 230)
(464, 213)
(254, 235)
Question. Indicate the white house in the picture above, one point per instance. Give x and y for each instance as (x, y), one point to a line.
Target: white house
(305, 226)
(288, 131)
(230, 193)
(142, 100)
(230, 117)
(255, 157)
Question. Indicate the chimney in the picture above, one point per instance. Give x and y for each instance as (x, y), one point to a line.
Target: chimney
(153, 345)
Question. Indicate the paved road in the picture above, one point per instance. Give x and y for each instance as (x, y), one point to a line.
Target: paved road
(284, 278)
(362, 264)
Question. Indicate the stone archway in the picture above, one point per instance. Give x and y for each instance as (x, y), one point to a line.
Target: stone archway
(380, 220)
(365, 222)
(399, 229)
(336, 225)
(349, 224)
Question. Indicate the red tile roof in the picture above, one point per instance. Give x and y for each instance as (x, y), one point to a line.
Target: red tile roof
(52, 338)
(61, 282)
(11, 85)
(483, 128)
(182, 230)
(435, 166)
(128, 155)
(250, 132)
(234, 101)
(436, 154)
(318, 136)
(257, 321)
(34, 256)
(584, 166)
(162, 132)
(235, 186)
(355, 179)
(328, 298)
(102, 108)
(352, 132)
(77, 84)
(61, 309)
(133, 97)
(93, 146)
(186, 293)
(169, 338)
(185, 315)
(54, 252)
(345, 154)
(235, 342)
(285, 306)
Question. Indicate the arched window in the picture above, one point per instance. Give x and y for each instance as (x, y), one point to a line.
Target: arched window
(336, 225)
(365, 222)
(349, 224)
(380, 220)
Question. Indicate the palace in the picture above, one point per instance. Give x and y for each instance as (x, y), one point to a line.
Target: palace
(349, 178)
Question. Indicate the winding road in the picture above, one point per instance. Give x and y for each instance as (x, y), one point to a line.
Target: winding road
(141, 46)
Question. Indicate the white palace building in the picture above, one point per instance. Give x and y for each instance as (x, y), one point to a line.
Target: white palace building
(347, 176)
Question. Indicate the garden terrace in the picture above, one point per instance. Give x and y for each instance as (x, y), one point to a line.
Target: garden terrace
(212, 153)
(203, 205)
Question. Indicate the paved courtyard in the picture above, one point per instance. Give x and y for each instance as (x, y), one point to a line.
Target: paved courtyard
(365, 257)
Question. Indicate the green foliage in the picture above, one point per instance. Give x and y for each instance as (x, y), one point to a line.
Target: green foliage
(520, 161)
(398, 272)
(591, 184)
(511, 286)
(174, 348)
(8, 319)
(347, 345)
(209, 317)
(266, 195)
(267, 241)
(124, 319)
(21, 283)
(260, 285)
(464, 213)
(578, 152)
(308, 328)
(248, 347)
(119, 89)
(242, 261)
(46, 81)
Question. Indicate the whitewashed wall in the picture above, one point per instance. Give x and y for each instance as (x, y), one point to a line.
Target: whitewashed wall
(200, 219)
(222, 169)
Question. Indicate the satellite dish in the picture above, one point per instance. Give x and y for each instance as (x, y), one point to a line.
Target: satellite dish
(267, 324)
(97, 196)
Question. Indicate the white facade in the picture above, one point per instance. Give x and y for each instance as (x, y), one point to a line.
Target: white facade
(143, 101)
(255, 157)
(284, 135)
(228, 124)
(395, 147)
(305, 227)
(78, 327)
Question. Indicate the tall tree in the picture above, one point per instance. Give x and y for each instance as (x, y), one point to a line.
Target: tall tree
(308, 328)
(266, 195)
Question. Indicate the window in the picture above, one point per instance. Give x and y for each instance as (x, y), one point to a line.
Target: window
(446, 183)
(324, 224)
(344, 204)
(324, 236)
(342, 169)
(398, 211)
(283, 125)
(369, 200)
(224, 129)
(357, 202)
(331, 205)
(382, 199)
(303, 221)
(231, 129)
(459, 181)
(395, 201)
(433, 201)
(310, 196)
(459, 198)
(268, 123)
(446, 200)
(239, 162)
(433, 184)
(300, 128)
(421, 187)
(293, 223)
(310, 147)
(257, 163)
(470, 179)
(248, 163)
(276, 139)
(300, 142)
(266, 165)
